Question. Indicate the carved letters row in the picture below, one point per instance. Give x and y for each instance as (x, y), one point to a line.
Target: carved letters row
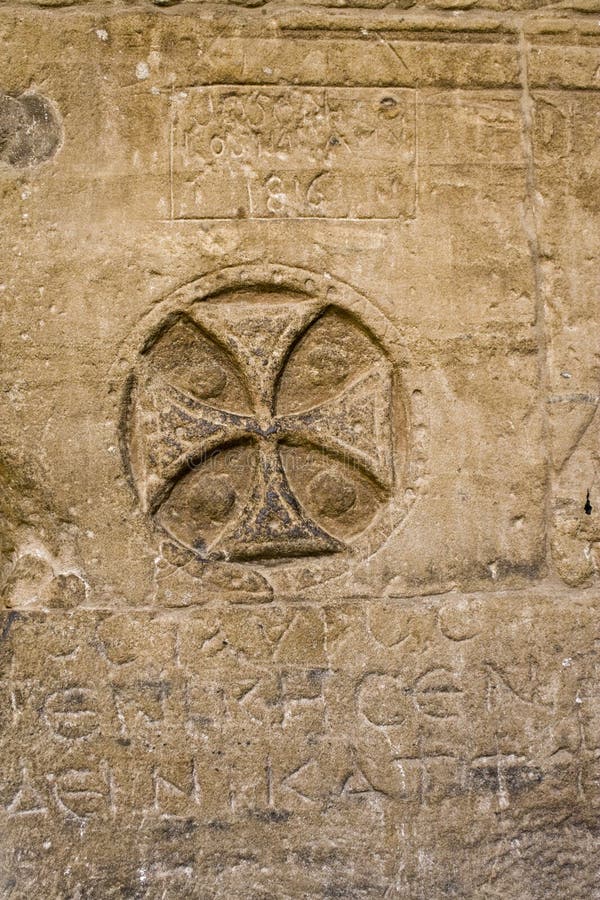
(161, 733)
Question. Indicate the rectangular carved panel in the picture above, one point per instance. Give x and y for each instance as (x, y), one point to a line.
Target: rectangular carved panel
(272, 152)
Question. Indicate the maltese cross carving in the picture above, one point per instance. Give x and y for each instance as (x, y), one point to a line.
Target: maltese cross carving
(260, 428)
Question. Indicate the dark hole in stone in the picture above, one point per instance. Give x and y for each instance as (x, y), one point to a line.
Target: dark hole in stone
(29, 130)
(588, 506)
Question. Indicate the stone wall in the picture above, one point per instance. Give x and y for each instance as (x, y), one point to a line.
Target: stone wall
(299, 450)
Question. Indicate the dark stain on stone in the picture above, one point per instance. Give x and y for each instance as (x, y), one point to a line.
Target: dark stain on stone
(11, 618)
(271, 815)
(178, 828)
(315, 856)
(515, 778)
(30, 131)
(158, 690)
(219, 825)
(519, 778)
(451, 889)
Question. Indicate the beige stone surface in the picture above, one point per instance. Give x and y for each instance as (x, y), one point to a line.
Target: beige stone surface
(299, 450)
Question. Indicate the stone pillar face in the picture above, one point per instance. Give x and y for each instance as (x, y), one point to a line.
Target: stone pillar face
(299, 451)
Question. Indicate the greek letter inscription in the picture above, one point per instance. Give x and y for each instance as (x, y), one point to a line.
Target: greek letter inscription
(289, 152)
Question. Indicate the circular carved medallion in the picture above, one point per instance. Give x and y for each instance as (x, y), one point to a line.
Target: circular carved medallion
(264, 421)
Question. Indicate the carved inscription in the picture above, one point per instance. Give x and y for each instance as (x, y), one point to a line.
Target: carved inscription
(261, 427)
(157, 731)
(270, 152)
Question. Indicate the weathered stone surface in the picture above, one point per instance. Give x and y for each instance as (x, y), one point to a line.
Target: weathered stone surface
(299, 451)
(304, 750)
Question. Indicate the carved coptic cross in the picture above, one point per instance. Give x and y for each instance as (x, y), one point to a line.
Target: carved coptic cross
(250, 421)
